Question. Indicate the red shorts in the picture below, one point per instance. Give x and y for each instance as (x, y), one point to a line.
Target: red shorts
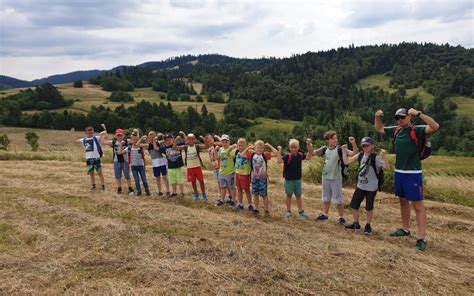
(242, 181)
(195, 174)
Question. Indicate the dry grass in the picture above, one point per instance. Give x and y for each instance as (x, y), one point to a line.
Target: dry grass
(56, 237)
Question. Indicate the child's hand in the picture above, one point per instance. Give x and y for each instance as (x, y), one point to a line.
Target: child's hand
(309, 141)
(379, 113)
(73, 130)
(344, 147)
(352, 140)
(267, 145)
(279, 148)
(233, 146)
(103, 126)
(382, 152)
(143, 138)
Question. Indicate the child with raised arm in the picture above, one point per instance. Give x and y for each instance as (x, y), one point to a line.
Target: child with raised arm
(242, 173)
(158, 162)
(369, 174)
(193, 162)
(172, 150)
(259, 164)
(93, 149)
(136, 159)
(292, 172)
(120, 160)
(226, 158)
(334, 170)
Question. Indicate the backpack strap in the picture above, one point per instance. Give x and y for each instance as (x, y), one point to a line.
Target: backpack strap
(359, 157)
(99, 148)
(142, 152)
(413, 135)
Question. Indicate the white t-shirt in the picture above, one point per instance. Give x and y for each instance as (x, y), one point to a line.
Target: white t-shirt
(90, 146)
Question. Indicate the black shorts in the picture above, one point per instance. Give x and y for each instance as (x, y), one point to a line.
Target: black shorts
(359, 196)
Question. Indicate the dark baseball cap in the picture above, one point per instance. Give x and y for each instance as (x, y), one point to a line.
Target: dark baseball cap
(366, 141)
(401, 112)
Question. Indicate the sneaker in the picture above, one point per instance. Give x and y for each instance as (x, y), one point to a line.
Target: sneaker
(119, 190)
(196, 197)
(102, 188)
(204, 197)
(173, 194)
(267, 213)
(93, 188)
(367, 229)
(353, 226)
(230, 203)
(400, 232)
(342, 221)
(421, 244)
(251, 209)
(139, 193)
(303, 215)
(148, 193)
(160, 193)
(131, 192)
(240, 208)
(256, 212)
(168, 194)
(288, 214)
(219, 202)
(322, 217)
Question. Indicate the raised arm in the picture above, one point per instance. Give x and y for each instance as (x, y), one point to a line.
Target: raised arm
(231, 148)
(310, 148)
(378, 122)
(319, 151)
(431, 125)
(386, 163)
(279, 155)
(74, 139)
(345, 157)
(355, 149)
(274, 151)
(246, 150)
(121, 150)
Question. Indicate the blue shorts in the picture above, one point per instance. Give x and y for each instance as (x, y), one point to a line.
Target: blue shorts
(120, 167)
(259, 187)
(160, 171)
(409, 186)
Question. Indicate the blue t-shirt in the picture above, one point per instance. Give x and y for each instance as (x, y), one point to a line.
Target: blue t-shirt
(174, 156)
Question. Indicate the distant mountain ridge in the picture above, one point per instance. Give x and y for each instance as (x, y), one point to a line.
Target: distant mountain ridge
(210, 59)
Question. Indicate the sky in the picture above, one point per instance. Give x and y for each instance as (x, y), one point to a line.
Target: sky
(41, 38)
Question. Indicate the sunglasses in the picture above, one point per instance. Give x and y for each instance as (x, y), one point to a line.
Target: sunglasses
(399, 117)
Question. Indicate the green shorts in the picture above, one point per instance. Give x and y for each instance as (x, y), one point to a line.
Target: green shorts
(175, 176)
(293, 187)
(92, 165)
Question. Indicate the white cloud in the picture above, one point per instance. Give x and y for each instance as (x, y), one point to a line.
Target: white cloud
(80, 35)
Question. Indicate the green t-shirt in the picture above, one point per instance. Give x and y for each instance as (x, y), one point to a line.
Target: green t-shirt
(227, 161)
(407, 153)
(332, 166)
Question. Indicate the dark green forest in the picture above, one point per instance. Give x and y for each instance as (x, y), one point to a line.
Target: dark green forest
(317, 88)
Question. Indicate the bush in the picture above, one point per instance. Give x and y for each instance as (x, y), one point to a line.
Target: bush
(217, 97)
(199, 98)
(185, 98)
(78, 83)
(33, 140)
(120, 96)
(112, 83)
(4, 142)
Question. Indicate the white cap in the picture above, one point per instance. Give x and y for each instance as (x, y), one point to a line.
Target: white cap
(225, 137)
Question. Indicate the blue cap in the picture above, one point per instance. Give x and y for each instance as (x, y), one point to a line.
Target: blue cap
(366, 141)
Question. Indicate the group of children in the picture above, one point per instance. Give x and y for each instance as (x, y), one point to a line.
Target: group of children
(239, 169)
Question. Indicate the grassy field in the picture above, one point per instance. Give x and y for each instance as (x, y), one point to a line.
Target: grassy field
(57, 238)
(266, 124)
(91, 95)
(465, 104)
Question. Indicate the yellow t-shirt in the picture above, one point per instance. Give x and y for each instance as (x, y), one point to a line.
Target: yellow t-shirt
(227, 161)
(192, 158)
(242, 163)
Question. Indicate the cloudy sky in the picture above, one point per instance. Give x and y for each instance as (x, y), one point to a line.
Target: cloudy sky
(40, 38)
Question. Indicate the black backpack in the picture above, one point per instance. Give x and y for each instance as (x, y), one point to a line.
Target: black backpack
(344, 168)
(380, 175)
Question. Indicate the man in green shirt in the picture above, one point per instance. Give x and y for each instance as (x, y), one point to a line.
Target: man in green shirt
(408, 177)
